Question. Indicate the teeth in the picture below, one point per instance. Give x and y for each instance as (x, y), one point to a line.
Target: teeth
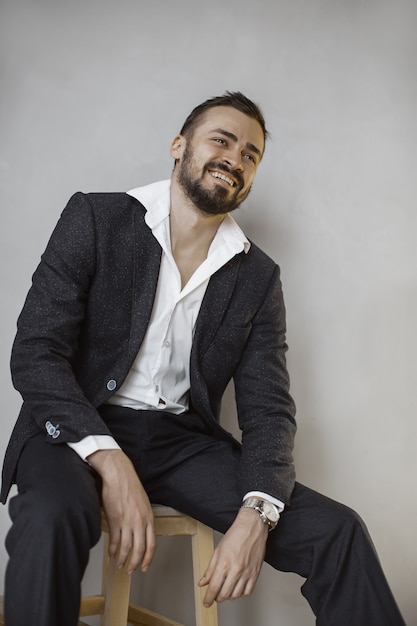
(229, 181)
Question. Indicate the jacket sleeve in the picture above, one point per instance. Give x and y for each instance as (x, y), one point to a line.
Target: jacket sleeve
(266, 410)
(49, 328)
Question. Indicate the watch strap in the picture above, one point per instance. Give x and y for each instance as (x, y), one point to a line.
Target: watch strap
(258, 505)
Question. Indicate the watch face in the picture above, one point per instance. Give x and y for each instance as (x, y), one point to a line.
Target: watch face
(271, 512)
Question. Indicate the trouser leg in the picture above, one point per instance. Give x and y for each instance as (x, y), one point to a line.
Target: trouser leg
(56, 520)
(183, 465)
(328, 544)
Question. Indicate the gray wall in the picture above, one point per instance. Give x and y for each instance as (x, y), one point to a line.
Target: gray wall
(93, 91)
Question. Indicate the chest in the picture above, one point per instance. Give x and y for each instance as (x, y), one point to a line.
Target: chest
(188, 260)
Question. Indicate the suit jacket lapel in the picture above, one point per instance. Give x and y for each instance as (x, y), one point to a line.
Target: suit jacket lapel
(145, 279)
(215, 303)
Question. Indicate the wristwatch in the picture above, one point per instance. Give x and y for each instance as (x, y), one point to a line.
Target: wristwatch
(268, 512)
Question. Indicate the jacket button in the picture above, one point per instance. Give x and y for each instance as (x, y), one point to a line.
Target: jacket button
(111, 385)
(53, 431)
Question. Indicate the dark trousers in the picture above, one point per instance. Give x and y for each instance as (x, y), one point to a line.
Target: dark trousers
(56, 520)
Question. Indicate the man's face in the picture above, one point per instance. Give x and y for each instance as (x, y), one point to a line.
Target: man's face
(218, 163)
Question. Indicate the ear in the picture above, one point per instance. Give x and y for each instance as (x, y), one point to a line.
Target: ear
(177, 146)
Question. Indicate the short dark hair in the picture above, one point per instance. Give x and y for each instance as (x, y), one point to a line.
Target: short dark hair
(234, 99)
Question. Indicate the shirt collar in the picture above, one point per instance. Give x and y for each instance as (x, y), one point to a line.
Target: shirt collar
(156, 200)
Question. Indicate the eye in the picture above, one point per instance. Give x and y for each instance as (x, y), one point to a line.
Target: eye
(250, 157)
(220, 140)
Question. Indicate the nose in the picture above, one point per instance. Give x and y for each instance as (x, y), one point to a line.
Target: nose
(234, 160)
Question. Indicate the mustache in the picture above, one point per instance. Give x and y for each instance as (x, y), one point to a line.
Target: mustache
(215, 165)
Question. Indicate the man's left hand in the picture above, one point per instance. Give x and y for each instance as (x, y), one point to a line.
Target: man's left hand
(237, 560)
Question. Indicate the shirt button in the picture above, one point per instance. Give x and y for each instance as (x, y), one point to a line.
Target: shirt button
(111, 385)
(167, 343)
(156, 387)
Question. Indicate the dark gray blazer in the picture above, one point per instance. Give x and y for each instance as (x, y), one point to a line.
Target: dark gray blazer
(86, 315)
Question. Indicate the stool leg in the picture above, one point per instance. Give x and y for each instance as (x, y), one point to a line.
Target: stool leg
(116, 590)
(202, 549)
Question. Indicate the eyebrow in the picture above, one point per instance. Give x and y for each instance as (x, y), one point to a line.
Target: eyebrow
(233, 137)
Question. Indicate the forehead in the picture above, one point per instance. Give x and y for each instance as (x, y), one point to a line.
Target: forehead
(245, 128)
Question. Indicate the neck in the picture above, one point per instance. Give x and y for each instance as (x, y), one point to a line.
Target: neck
(192, 232)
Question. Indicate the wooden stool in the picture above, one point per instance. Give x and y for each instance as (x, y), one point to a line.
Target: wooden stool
(114, 605)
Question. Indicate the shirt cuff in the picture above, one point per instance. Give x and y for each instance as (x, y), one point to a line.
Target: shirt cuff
(92, 443)
(264, 496)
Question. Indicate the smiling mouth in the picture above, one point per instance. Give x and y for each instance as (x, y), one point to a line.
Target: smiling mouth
(222, 176)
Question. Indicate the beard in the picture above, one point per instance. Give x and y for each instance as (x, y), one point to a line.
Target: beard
(211, 201)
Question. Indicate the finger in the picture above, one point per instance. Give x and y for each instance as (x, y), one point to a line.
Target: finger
(204, 580)
(211, 567)
(231, 589)
(235, 592)
(250, 586)
(134, 557)
(125, 548)
(150, 548)
(213, 590)
(143, 549)
(236, 588)
(114, 540)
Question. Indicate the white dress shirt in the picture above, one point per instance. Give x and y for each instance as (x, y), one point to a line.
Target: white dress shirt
(160, 376)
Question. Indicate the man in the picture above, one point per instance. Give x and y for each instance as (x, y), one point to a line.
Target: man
(142, 309)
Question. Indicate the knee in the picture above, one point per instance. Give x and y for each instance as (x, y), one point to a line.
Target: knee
(46, 516)
(348, 528)
(349, 518)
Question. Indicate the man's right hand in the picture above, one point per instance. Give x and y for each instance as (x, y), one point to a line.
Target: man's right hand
(128, 510)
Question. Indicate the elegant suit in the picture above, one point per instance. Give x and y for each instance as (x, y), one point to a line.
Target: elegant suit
(79, 332)
(91, 300)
